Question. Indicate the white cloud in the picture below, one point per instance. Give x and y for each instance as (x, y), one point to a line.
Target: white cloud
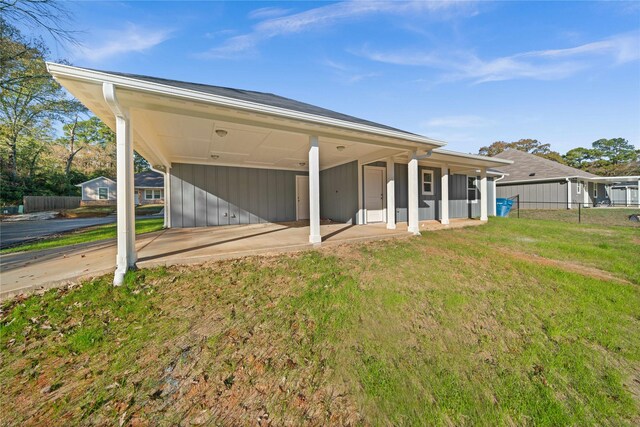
(551, 64)
(132, 38)
(346, 73)
(325, 16)
(464, 121)
(267, 12)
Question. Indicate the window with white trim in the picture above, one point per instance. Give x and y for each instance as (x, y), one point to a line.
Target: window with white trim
(427, 183)
(472, 188)
(153, 194)
(595, 191)
(579, 187)
(103, 193)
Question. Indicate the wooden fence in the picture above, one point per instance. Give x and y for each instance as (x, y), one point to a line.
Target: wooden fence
(49, 203)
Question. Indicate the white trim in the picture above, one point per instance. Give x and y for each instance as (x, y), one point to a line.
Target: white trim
(472, 156)
(100, 188)
(153, 192)
(59, 70)
(94, 179)
(483, 196)
(475, 185)
(314, 191)
(384, 192)
(413, 203)
(422, 182)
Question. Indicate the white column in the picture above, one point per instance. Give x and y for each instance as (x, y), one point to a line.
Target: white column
(391, 194)
(167, 197)
(569, 204)
(638, 193)
(314, 191)
(585, 194)
(360, 196)
(444, 198)
(483, 195)
(126, 256)
(414, 226)
(495, 196)
(627, 196)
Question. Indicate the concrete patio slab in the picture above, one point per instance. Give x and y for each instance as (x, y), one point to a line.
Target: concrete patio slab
(31, 271)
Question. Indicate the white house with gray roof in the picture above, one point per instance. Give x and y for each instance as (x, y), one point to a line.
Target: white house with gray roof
(148, 189)
(544, 184)
(234, 157)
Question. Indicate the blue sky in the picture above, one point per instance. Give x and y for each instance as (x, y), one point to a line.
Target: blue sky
(469, 73)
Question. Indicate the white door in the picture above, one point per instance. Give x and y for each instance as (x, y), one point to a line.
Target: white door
(374, 193)
(302, 197)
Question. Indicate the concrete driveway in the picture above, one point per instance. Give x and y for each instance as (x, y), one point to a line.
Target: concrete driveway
(12, 233)
(29, 271)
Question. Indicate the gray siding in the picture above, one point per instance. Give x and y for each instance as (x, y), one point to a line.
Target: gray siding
(429, 206)
(220, 195)
(538, 195)
(90, 190)
(619, 196)
(339, 193)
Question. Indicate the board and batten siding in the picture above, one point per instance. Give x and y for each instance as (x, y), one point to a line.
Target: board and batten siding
(429, 206)
(537, 195)
(90, 189)
(207, 195)
(339, 193)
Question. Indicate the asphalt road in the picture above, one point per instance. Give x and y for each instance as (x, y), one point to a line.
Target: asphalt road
(12, 233)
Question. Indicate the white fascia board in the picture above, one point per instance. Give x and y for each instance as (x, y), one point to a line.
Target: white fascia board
(94, 179)
(59, 70)
(558, 178)
(472, 156)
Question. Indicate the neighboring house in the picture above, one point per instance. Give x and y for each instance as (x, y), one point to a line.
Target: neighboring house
(98, 191)
(545, 184)
(242, 157)
(148, 189)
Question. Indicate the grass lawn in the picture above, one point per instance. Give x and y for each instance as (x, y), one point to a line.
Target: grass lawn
(519, 322)
(99, 211)
(89, 234)
(599, 216)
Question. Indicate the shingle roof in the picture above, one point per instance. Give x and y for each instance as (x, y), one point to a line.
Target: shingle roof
(258, 98)
(149, 179)
(528, 166)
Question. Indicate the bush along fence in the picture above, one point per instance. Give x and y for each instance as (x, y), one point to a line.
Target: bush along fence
(49, 203)
(580, 212)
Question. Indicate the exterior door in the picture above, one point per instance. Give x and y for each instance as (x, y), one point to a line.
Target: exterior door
(374, 193)
(302, 197)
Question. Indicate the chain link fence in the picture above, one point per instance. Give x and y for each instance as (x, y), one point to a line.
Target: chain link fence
(576, 212)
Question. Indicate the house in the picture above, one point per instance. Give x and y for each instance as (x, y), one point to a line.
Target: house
(148, 189)
(235, 157)
(544, 184)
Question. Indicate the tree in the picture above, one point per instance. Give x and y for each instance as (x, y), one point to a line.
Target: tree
(140, 164)
(580, 157)
(26, 103)
(48, 15)
(532, 146)
(615, 150)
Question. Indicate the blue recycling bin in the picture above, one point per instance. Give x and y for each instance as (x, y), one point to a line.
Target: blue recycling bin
(503, 207)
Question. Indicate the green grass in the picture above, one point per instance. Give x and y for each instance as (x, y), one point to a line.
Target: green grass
(90, 234)
(518, 322)
(594, 216)
(100, 211)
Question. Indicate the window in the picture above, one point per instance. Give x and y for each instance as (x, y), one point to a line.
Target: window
(472, 188)
(427, 183)
(579, 187)
(103, 193)
(595, 191)
(153, 194)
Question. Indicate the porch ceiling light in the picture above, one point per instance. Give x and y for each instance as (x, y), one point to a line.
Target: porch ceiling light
(215, 156)
(340, 147)
(221, 133)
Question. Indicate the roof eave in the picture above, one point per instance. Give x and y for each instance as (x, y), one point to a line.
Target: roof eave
(66, 71)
